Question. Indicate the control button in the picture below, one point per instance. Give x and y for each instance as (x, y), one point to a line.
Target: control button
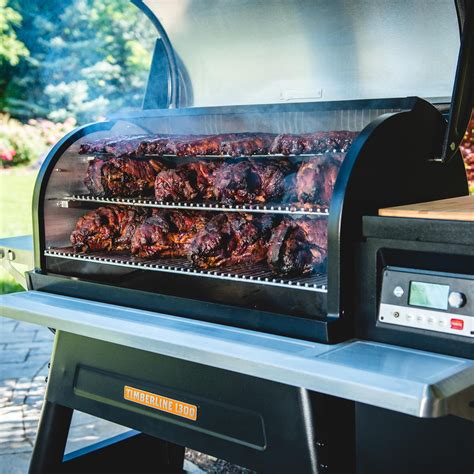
(409, 317)
(396, 314)
(431, 320)
(420, 318)
(442, 322)
(456, 299)
(398, 291)
(457, 324)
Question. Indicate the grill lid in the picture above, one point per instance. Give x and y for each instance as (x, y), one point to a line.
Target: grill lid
(270, 51)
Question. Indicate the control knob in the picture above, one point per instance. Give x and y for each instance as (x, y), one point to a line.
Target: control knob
(456, 299)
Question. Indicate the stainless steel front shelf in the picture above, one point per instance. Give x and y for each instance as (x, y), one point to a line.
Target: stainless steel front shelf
(314, 210)
(408, 381)
(258, 273)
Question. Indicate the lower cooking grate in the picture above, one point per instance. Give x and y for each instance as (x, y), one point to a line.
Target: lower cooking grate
(259, 274)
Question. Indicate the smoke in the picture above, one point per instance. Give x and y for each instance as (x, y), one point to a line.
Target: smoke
(87, 59)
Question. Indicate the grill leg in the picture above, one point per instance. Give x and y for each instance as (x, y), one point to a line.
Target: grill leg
(131, 452)
(51, 438)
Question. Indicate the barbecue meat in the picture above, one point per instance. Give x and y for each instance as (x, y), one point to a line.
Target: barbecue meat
(130, 218)
(247, 144)
(96, 230)
(167, 233)
(185, 226)
(106, 228)
(233, 144)
(319, 142)
(118, 146)
(298, 246)
(250, 181)
(122, 177)
(315, 180)
(151, 238)
(231, 238)
(187, 182)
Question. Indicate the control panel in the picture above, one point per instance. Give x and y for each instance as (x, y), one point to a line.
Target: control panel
(434, 301)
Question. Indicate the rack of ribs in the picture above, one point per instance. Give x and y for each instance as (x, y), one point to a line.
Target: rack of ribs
(117, 146)
(231, 238)
(318, 142)
(298, 246)
(124, 177)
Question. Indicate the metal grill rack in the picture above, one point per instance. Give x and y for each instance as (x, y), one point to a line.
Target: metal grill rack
(203, 206)
(259, 274)
(90, 157)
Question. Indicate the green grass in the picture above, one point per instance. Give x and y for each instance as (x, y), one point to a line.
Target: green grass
(16, 191)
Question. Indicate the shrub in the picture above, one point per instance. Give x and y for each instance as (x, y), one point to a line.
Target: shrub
(26, 143)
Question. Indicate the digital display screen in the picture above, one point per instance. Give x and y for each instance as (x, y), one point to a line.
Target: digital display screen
(428, 295)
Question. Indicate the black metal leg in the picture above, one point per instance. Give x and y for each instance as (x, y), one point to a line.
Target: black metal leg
(130, 452)
(51, 438)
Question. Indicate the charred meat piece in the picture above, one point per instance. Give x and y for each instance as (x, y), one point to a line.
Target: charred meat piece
(184, 227)
(332, 142)
(168, 144)
(247, 144)
(106, 228)
(118, 146)
(250, 181)
(315, 180)
(319, 142)
(298, 246)
(96, 230)
(130, 218)
(231, 238)
(187, 182)
(206, 145)
(174, 186)
(167, 233)
(122, 177)
(151, 238)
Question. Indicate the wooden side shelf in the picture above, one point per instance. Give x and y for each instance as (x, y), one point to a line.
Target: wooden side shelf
(456, 209)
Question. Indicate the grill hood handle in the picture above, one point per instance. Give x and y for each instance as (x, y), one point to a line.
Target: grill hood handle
(462, 100)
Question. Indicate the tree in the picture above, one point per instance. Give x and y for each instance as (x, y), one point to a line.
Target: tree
(87, 57)
(11, 49)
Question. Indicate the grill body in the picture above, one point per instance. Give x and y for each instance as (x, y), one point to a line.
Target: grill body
(316, 307)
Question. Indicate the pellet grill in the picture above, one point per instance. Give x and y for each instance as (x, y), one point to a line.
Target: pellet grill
(243, 359)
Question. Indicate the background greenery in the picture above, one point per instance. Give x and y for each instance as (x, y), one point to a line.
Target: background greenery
(62, 64)
(16, 190)
(72, 58)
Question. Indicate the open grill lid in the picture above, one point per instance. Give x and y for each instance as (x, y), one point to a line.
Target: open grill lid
(273, 51)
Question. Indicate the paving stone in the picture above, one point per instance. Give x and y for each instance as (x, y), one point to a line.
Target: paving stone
(32, 345)
(44, 349)
(14, 355)
(44, 336)
(22, 370)
(17, 463)
(6, 336)
(26, 327)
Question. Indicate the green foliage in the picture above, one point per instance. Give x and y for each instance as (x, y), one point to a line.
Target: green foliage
(24, 143)
(87, 57)
(11, 49)
(15, 213)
